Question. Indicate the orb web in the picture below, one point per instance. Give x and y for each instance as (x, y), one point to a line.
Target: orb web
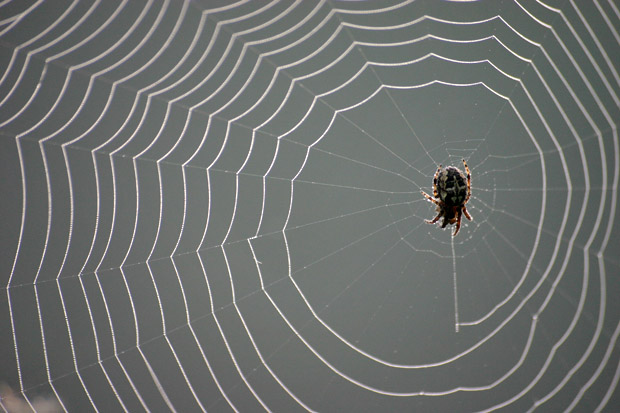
(216, 206)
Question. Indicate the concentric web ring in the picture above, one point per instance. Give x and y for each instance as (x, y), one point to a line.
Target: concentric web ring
(217, 206)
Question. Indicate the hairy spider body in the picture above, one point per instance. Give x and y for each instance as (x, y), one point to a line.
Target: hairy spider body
(451, 190)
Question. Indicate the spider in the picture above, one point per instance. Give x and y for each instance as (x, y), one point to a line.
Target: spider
(451, 193)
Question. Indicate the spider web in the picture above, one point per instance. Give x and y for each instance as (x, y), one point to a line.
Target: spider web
(217, 206)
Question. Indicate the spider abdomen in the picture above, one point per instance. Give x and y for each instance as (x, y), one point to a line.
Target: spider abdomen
(452, 186)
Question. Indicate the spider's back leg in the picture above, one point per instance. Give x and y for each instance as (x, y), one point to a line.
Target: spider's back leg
(468, 182)
(430, 198)
(435, 191)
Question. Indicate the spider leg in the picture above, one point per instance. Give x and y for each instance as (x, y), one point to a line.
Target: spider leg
(458, 224)
(445, 222)
(466, 213)
(468, 183)
(430, 198)
(429, 221)
(435, 192)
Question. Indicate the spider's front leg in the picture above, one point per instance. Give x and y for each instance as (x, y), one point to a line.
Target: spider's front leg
(458, 224)
(466, 213)
(432, 221)
(439, 208)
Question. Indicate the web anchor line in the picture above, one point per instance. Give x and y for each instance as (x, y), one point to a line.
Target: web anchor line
(456, 301)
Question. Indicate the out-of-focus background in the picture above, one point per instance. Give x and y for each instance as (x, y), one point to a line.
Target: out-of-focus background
(216, 206)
